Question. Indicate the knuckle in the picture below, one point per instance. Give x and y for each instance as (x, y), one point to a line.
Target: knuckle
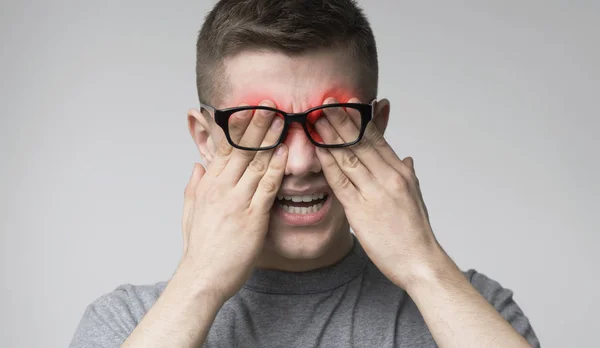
(268, 185)
(344, 121)
(363, 145)
(257, 165)
(342, 182)
(245, 153)
(224, 148)
(349, 160)
(262, 121)
(398, 182)
(376, 137)
(277, 164)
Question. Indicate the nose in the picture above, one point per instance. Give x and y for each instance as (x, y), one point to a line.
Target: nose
(302, 159)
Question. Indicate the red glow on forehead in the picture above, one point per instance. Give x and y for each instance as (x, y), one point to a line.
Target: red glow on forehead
(285, 102)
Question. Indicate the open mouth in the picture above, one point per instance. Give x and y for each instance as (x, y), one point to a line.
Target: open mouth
(306, 204)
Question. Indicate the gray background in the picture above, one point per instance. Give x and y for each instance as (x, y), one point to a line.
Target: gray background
(497, 102)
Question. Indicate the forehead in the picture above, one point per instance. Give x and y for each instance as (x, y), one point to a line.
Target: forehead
(293, 83)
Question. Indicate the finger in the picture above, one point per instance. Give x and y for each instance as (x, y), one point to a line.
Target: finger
(410, 164)
(253, 171)
(412, 176)
(339, 182)
(346, 121)
(259, 122)
(266, 189)
(264, 129)
(220, 159)
(256, 169)
(189, 198)
(352, 166)
(409, 161)
(237, 124)
(344, 131)
(374, 137)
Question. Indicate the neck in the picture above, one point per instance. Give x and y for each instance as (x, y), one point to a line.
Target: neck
(337, 248)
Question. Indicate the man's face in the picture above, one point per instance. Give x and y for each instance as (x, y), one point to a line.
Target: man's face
(294, 84)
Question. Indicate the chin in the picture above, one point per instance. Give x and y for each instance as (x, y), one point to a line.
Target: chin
(306, 245)
(299, 243)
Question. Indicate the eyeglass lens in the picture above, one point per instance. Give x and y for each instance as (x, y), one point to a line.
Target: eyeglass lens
(238, 125)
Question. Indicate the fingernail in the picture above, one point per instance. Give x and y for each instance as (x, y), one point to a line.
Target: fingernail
(280, 150)
(322, 122)
(265, 112)
(242, 115)
(277, 123)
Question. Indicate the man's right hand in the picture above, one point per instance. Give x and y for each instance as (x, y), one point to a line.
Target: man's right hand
(225, 220)
(227, 206)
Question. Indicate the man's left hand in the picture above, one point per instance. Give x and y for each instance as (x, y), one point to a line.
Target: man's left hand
(381, 196)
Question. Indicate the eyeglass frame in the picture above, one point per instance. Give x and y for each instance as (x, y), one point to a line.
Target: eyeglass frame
(221, 117)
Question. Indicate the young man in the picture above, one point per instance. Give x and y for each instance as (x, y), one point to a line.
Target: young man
(268, 257)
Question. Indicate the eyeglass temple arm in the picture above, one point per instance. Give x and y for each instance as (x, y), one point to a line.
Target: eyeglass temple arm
(206, 106)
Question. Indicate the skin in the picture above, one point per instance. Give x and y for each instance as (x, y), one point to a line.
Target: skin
(291, 85)
(227, 209)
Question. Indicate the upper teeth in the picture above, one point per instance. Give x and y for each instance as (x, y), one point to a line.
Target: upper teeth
(305, 198)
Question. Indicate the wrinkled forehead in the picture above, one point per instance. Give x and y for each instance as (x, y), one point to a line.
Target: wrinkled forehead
(293, 83)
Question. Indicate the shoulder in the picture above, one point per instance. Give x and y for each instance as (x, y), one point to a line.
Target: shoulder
(110, 319)
(136, 300)
(502, 299)
(498, 296)
(489, 288)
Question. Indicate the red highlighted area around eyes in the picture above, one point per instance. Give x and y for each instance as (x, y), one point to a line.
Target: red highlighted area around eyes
(310, 125)
(283, 103)
(349, 135)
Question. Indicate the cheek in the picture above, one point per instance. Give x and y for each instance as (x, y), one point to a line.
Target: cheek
(338, 209)
(337, 215)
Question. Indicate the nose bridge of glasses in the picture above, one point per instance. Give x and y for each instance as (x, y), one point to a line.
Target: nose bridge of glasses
(300, 118)
(295, 117)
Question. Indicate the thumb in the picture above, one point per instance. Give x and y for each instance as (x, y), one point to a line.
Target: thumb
(409, 161)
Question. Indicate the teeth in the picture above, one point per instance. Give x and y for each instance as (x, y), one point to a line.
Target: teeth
(305, 198)
(302, 210)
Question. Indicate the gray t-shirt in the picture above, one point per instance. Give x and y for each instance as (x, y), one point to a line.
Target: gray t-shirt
(349, 304)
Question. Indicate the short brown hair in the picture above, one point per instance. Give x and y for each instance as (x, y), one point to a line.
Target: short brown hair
(292, 27)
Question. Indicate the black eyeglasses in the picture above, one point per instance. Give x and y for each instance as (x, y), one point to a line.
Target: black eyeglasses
(359, 113)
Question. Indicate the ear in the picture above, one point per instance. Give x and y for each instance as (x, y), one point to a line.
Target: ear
(382, 114)
(200, 129)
